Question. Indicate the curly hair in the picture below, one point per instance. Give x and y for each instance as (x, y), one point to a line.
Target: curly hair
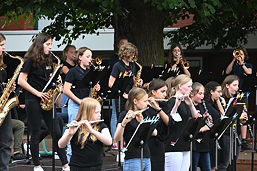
(127, 50)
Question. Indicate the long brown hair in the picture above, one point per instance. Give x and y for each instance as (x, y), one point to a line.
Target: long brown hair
(171, 57)
(2, 65)
(227, 81)
(86, 112)
(36, 50)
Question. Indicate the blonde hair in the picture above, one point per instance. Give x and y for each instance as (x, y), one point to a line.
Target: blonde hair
(171, 89)
(86, 112)
(134, 93)
(180, 80)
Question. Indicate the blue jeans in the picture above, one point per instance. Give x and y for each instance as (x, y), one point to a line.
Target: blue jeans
(135, 164)
(5, 143)
(113, 118)
(72, 113)
(64, 103)
(201, 159)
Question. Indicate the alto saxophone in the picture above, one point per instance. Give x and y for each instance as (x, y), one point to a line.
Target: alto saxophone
(138, 75)
(5, 104)
(47, 104)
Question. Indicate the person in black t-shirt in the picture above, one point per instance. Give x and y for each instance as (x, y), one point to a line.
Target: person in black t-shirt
(70, 60)
(174, 66)
(212, 99)
(158, 90)
(6, 127)
(123, 72)
(201, 155)
(127, 124)
(34, 76)
(238, 66)
(72, 86)
(181, 108)
(87, 139)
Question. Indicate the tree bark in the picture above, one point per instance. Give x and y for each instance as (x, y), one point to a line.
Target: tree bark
(143, 25)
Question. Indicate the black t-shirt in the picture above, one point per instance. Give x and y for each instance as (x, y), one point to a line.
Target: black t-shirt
(177, 129)
(125, 74)
(203, 145)
(37, 76)
(3, 77)
(68, 66)
(134, 151)
(89, 156)
(239, 71)
(167, 73)
(75, 76)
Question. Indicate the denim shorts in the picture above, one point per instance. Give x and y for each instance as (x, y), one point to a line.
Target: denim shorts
(135, 164)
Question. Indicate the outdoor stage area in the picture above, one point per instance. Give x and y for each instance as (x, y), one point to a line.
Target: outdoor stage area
(110, 164)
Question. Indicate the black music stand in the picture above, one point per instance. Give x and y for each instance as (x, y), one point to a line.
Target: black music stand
(91, 78)
(141, 135)
(190, 132)
(151, 72)
(116, 92)
(51, 84)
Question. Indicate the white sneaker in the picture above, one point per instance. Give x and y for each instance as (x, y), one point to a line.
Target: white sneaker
(66, 169)
(38, 169)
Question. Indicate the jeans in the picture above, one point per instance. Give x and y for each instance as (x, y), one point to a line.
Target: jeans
(202, 159)
(135, 164)
(64, 103)
(5, 143)
(72, 113)
(113, 118)
(18, 132)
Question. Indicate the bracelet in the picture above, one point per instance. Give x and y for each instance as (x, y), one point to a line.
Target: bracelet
(122, 125)
(158, 111)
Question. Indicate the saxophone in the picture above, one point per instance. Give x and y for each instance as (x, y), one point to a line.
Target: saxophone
(5, 104)
(138, 75)
(47, 104)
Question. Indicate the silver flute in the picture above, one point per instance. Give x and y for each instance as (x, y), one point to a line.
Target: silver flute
(161, 100)
(83, 121)
(135, 113)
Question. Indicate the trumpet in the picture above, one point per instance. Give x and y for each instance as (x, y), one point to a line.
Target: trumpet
(96, 63)
(81, 122)
(135, 113)
(236, 54)
(184, 63)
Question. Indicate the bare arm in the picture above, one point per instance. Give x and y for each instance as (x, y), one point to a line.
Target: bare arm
(111, 81)
(229, 67)
(65, 70)
(186, 72)
(68, 92)
(104, 136)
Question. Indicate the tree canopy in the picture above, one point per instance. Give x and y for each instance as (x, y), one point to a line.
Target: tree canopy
(220, 23)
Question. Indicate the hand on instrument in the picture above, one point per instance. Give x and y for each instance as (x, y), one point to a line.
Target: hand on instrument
(153, 103)
(72, 129)
(97, 87)
(44, 96)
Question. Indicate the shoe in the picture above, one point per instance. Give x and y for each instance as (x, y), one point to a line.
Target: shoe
(38, 169)
(244, 145)
(66, 169)
(115, 146)
(19, 156)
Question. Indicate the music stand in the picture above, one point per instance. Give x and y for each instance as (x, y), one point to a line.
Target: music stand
(51, 84)
(190, 132)
(141, 135)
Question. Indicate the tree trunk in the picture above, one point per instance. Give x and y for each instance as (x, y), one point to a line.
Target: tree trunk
(143, 25)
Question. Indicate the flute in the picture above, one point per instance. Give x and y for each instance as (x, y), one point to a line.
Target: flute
(161, 100)
(182, 97)
(135, 113)
(81, 122)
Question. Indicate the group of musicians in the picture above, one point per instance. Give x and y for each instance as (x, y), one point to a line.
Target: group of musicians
(171, 101)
